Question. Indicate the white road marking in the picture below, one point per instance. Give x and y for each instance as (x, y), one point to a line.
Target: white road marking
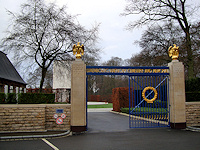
(47, 142)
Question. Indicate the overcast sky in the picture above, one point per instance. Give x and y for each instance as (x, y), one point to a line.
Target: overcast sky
(114, 39)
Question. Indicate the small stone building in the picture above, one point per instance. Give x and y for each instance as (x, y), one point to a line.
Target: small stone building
(62, 81)
(10, 80)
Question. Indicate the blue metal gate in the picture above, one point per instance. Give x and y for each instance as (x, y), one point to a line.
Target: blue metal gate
(148, 101)
(148, 93)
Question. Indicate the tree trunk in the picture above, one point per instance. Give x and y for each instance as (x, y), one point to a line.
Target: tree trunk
(190, 60)
(44, 71)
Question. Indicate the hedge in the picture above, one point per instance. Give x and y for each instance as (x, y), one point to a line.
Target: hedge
(159, 104)
(120, 98)
(27, 98)
(192, 85)
(2, 98)
(35, 98)
(192, 88)
(192, 96)
(9, 98)
(145, 110)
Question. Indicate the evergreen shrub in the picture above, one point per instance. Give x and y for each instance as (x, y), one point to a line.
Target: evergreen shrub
(11, 98)
(192, 89)
(36, 98)
(2, 98)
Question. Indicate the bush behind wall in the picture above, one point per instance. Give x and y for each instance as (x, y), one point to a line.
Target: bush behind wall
(27, 98)
(35, 98)
(9, 98)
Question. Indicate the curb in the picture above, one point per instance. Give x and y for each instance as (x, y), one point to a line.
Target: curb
(193, 129)
(120, 113)
(35, 136)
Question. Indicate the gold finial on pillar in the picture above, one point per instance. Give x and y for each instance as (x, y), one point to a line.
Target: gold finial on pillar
(79, 49)
(173, 52)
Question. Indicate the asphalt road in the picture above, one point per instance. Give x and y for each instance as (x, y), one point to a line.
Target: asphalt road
(99, 122)
(108, 131)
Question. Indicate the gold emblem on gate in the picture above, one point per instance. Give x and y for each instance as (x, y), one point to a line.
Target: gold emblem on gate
(155, 94)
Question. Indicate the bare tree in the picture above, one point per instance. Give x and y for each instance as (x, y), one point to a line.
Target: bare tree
(34, 78)
(155, 42)
(178, 11)
(106, 83)
(42, 33)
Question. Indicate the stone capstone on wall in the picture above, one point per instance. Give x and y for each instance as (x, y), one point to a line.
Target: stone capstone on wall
(33, 117)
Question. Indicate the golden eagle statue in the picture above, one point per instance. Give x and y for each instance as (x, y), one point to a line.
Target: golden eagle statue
(79, 49)
(173, 52)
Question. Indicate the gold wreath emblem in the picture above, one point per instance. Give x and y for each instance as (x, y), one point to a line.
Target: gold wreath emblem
(155, 94)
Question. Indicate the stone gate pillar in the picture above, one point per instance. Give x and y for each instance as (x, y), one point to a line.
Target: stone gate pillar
(78, 92)
(177, 95)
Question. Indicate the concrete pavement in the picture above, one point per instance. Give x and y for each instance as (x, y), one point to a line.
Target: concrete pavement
(99, 109)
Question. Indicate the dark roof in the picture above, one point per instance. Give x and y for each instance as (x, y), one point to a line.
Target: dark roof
(8, 71)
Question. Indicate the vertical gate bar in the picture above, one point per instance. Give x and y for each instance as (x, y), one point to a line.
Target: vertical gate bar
(150, 106)
(161, 78)
(160, 98)
(164, 100)
(168, 102)
(155, 106)
(146, 113)
(147, 105)
(152, 124)
(140, 99)
(167, 96)
(86, 102)
(146, 109)
(161, 101)
(132, 91)
(129, 101)
(136, 120)
(133, 86)
(132, 98)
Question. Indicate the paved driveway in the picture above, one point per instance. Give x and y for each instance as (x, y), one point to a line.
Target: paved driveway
(107, 122)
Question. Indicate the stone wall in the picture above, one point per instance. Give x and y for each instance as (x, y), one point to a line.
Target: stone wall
(193, 113)
(51, 121)
(33, 117)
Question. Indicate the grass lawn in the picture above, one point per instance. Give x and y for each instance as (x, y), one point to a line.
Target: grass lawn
(109, 105)
(145, 110)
